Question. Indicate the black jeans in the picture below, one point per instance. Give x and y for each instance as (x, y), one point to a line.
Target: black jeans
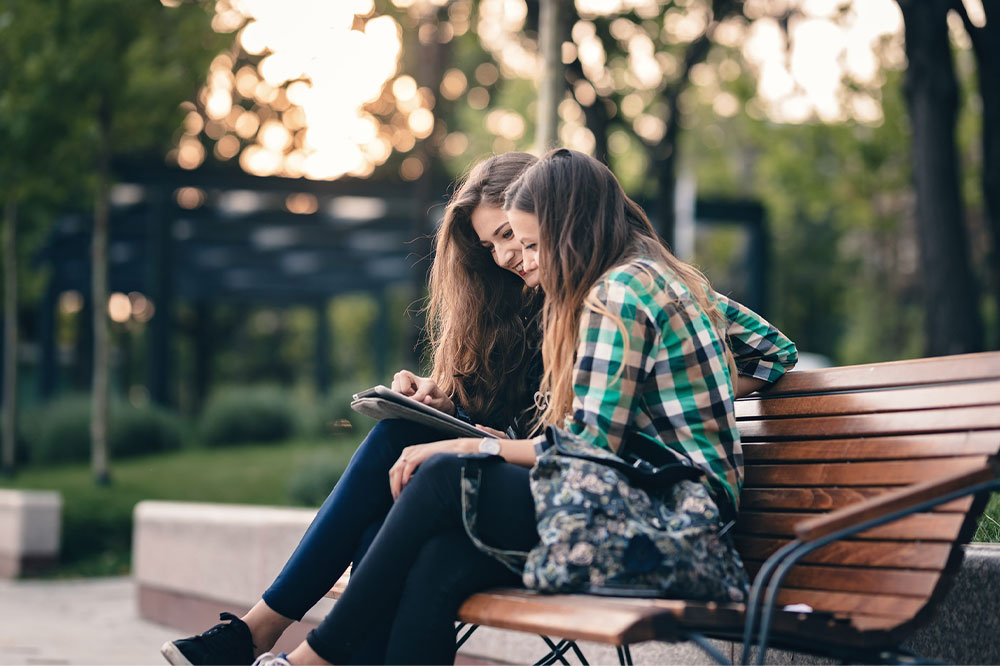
(343, 526)
(421, 565)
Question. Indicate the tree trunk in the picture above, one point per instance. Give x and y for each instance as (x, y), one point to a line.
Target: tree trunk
(951, 296)
(552, 85)
(664, 154)
(989, 85)
(986, 47)
(10, 339)
(597, 114)
(99, 298)
(430, 71)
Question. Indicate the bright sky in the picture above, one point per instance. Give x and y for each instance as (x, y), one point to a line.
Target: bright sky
(325, 60)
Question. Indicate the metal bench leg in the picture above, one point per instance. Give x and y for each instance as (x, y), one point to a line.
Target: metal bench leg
(579, 653)
(624, 655)
(708, 648)
(556, 652)
(460, 641)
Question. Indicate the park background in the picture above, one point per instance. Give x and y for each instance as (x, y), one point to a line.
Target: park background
(257, 183)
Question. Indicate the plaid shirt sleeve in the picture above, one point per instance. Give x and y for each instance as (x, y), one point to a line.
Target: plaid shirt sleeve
(602, 408)
(759, 349)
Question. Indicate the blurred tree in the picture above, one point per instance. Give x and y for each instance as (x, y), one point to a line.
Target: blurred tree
(951, 294)
(37, 167)
(127, 66)
(665, 151)
(986, 48)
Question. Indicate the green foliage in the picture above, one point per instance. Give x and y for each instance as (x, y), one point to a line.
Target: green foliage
(844, 279)
(239, 415)
(310, 484)
(352, 318)
(59, 431)
(332, 414)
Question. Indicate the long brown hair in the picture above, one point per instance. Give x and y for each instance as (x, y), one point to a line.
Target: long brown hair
(482, 325)
(587, 225)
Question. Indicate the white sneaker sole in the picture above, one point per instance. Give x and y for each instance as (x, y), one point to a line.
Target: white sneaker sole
(173, 655)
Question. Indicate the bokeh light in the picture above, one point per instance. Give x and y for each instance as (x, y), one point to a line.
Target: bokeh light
(189, 197)
(297, 108)
(301, 203)
(119, 307)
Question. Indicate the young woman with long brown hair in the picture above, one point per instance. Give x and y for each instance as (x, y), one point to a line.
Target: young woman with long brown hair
(634, 345)
(485, 368)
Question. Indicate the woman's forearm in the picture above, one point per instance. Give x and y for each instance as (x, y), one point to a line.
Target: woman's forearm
(747, 385)
(518, 451)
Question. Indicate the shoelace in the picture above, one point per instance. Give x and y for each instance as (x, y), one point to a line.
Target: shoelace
(222, 625)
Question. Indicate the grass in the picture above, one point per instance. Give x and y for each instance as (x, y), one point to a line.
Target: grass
(97, 520)
(989, 524)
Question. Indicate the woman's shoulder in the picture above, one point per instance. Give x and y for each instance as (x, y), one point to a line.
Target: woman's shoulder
(643, 276)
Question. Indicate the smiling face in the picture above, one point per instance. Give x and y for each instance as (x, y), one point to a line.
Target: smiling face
(496, 236)
(525, 228)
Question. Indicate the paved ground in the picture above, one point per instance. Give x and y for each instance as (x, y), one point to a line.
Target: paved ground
(92, 621)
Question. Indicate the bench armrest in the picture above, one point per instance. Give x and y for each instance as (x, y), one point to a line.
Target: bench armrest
(891, 502)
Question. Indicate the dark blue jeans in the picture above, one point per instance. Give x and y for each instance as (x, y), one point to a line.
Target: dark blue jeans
(421, 565)
(347, 521)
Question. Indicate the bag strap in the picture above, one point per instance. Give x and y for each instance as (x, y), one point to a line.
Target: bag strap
(472, 477)
(638, 469)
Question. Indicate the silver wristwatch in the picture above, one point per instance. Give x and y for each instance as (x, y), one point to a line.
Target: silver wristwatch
(489, 445)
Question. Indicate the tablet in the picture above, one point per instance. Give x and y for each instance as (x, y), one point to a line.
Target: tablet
(380, 403)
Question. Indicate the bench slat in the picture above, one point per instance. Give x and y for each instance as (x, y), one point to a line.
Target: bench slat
(960, 419)
(940, 370)
(885, 554)
(927, 526)
(880, 448)
(902, 582)
(870, 402)
(827, 499)
(613, 621)
(848, 602)
(889, 473)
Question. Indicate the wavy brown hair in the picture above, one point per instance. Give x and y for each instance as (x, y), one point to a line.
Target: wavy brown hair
(587, 225)
(482, 323)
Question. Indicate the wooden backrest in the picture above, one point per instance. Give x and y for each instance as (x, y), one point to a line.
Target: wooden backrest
(824, 439)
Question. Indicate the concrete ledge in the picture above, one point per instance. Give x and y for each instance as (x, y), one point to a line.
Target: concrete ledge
(192, 561)
(30, 526)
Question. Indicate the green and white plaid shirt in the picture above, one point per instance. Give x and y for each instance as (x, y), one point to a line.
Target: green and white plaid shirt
(675, 387)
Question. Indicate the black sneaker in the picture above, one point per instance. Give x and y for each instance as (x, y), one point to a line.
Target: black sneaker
(225, 643)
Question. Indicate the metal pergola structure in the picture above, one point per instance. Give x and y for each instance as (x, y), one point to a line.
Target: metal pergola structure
(211, 236)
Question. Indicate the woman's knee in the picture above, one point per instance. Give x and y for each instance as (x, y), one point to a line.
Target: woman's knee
(388, 439)
(391, 433)
(442, 465)
(439, 476)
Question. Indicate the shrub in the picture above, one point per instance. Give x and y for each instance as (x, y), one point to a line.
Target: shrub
(237, 415)
(333, 414)
(139, 430)
(59, 431)
(313, 480)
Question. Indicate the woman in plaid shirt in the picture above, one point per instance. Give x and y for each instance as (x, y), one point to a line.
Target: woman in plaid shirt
(634, 339)
(635, 351)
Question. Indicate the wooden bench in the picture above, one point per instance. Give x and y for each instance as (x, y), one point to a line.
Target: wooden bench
(831, 455)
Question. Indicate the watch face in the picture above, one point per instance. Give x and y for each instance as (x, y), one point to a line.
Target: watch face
(490, 446)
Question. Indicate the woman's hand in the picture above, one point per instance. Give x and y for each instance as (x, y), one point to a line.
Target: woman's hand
(422, 389)
(493, 431)
(412, 457)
